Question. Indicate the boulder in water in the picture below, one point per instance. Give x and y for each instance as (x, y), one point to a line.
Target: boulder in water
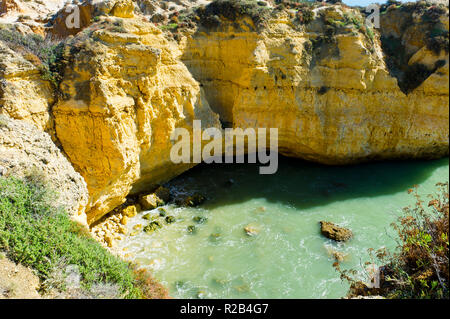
(334, 232)
(192, 229)
(150, 201)
(152, 227)
(162, 212)
(214, 237)
(170, 220)
(200, 219)
(251, 230)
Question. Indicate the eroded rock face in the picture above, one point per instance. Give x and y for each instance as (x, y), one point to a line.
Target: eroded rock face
(332, 98)
(7, 6)
(64, 23)
(24, 95)
(26, 151)
(125, 93)
(325, 85)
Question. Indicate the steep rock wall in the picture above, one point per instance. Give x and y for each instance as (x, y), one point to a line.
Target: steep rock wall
(125, 93)
(333, 102)
(24, 95)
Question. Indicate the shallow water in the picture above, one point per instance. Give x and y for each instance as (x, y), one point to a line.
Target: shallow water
(288, 258)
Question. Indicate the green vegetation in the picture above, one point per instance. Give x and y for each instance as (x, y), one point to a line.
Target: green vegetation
(170, 26)
(305, 15)
(419, 268)
(38, 235)
(209, 15)
(46, 54)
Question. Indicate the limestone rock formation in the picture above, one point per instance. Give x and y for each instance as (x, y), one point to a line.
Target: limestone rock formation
(337, 90)
(26, 151)
(24, 95)
(325, 85)
(7, 6)
(29, 15)
(74, 17)
(125, 93)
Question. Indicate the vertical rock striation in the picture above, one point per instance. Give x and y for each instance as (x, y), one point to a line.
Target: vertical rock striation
(124, 94)
(325, 86)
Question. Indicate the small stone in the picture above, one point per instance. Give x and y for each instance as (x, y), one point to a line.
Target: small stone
(129, 211)
(162, 212)
(170, 220)
(150, 202)
(214, 237)
(200, 219)
(123, 230)
(251, 231)
(152, 227)
(124, 220)
(191, 229)
(109, 240)
(148, 217)
(137, 227)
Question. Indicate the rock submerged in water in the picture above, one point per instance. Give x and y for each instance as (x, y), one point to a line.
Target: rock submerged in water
(334, 232)
(191, 201)
(147, 216)
(153, 226)
(251, 230)
(200, 219)
(192, 229)
(162, 212)
(170, 220)
(215, 237)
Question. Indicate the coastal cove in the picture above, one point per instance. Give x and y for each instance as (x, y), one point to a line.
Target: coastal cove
(288, 257)
(224, 149)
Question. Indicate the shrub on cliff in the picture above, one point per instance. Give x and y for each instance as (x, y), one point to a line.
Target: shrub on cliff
(420, 266)
(46, 54)
(232, 10)
(305, 15)
(38, 235)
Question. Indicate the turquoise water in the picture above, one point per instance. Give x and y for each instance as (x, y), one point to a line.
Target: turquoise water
(288, 258)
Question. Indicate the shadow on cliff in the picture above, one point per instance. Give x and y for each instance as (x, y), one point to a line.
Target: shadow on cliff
(303, 184)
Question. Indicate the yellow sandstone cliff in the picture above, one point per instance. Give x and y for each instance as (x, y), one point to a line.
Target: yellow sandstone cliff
(24, 95)
(328, 86)
(125, 92)
(337, 109)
